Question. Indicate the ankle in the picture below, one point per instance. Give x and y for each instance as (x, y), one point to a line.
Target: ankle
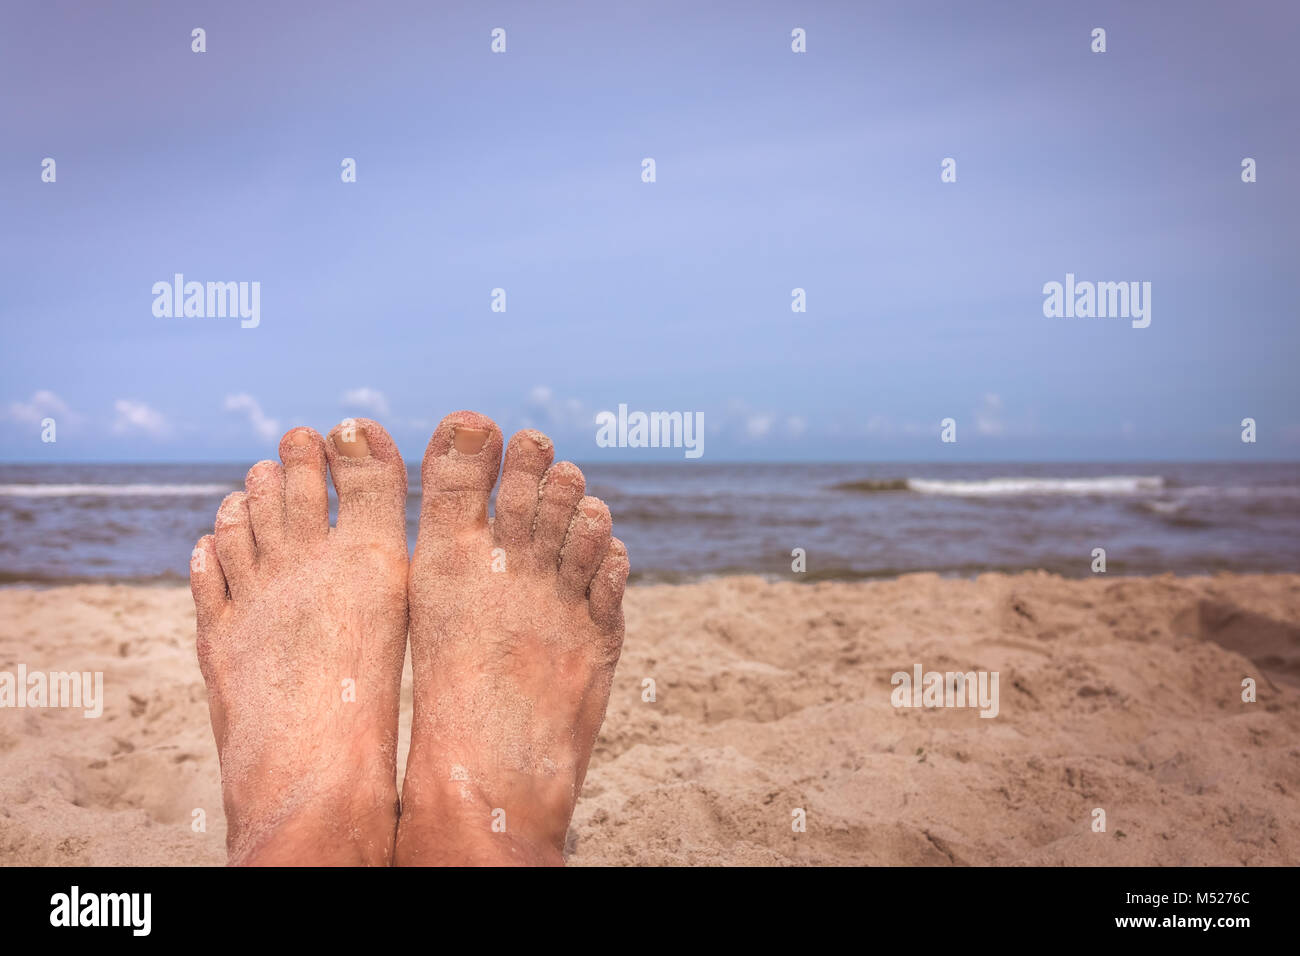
(438, 838)
(358, 830)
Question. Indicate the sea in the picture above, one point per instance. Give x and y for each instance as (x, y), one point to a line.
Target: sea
(692, 520)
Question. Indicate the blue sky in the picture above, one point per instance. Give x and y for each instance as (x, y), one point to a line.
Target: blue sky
(775, 170)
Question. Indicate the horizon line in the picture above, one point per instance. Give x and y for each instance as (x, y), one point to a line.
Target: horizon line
(728, 461)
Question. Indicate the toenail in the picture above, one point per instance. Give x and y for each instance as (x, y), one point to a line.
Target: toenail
(533, 441)
(352, 443)
(300, 439)
(565, 473)
(468, 441)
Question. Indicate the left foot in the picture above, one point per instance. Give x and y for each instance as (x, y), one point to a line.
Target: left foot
(301, 640)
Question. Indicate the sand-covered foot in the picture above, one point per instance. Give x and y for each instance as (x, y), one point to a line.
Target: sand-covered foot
(301, 640)
(516, 626)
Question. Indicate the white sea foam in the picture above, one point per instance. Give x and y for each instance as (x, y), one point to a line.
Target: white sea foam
(988, 487)
(1240, 491)
(96, 491)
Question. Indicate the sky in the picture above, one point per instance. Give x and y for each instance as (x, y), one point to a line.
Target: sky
(774, 171)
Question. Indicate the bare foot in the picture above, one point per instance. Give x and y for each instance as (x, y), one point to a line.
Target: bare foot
(515, 630)
(301, 639)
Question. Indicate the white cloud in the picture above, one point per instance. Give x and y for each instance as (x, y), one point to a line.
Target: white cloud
(135, 416)
(878, 424)
(367, 399)
(43, 404)
(547, 410)
(883, 427)
(266, 428)
(988, 417)
(743, 422)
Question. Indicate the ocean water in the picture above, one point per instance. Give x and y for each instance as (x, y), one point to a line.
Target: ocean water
(682, 521)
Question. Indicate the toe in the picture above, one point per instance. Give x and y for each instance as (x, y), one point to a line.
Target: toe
(264, 485)
(234, 536)
(562, 488)
(306, 502)
(370, 480)
(585, 547)
(606, 594)
(460, 468)
(528, 456)
(207, 583)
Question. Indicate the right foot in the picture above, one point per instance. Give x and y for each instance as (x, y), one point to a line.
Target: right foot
(289, 612)
(516, 626)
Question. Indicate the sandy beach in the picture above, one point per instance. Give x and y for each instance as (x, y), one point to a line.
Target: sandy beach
(1116, 693)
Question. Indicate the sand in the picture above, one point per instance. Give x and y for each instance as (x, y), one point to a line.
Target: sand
(1122, 694)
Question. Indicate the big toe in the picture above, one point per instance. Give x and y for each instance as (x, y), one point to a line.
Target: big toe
(370, 479)
(460, 468)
